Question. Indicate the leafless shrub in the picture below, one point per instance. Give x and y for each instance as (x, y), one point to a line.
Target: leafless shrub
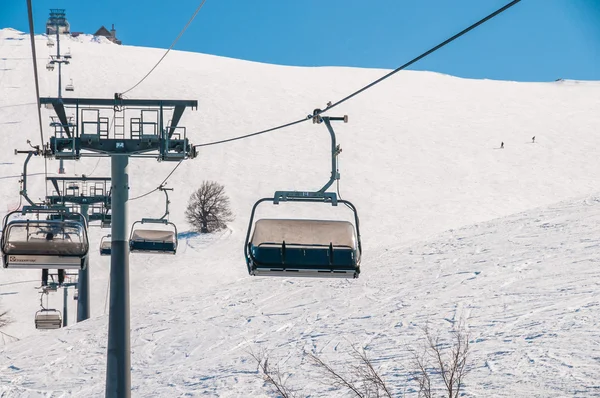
(272, 375)
(441, 366)
(4, 319)
(437, 367)
(364, 381)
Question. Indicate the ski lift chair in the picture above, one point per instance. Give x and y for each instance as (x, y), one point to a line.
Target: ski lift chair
(70, 87)
(306, 248)
(153, 240)
(105, 222)
(48, 319)
(303, 248)
(44, 244)
(105, 245)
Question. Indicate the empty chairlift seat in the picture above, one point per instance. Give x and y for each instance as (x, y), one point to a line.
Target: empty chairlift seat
(48, 319)
(70, 86)
(39, 244)
(304, 248)
(153, 240)
(105, 246)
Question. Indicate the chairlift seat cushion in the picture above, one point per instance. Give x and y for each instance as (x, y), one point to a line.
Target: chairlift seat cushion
(45, 247)
(151, 235)
(308, 243)
(305, 232)
(304, 248)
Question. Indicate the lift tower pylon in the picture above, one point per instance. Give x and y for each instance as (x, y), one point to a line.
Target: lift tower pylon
(146, 128)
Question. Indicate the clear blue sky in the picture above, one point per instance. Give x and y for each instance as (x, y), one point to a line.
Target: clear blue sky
(536, 40)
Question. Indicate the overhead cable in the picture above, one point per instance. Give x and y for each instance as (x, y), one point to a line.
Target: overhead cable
(37, 84)
(406, 65)
(162, 184)
(14, 105)
(171, 47)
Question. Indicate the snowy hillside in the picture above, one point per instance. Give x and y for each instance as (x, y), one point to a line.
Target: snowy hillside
(454, 228)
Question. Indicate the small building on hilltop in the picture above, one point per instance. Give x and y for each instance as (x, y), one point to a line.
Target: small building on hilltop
(110, 35)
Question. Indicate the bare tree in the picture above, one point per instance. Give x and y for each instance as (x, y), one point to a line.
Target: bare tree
(273, 376)
(442, 362)
(4, 319)
(208, 209)
(437, 367)
(364, 382)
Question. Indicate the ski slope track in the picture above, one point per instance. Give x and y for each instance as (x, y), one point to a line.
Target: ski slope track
(455, 230)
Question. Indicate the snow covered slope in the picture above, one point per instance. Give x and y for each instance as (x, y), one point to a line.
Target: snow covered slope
(420, 157)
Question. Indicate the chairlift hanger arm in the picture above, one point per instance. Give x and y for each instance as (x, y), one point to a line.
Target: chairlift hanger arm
(161, 188)
(42, 298)
(37, 151)
(246, 245)
(335, 149)
(163, 219)
(320, 195)
(24, 190)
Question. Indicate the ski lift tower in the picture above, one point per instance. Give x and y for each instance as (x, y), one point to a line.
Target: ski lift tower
(57, 24)
(140, 128)
(83, 192)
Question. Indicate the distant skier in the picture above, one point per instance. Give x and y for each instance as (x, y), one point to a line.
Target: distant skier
(502, 145)
(533, 140)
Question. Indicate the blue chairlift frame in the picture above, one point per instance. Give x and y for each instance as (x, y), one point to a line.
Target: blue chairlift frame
(47, 318)
(152, 245)
(105, 245)
(143, 241)
(320, 259)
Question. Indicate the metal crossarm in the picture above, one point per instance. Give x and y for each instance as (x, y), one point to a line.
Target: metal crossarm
(145, 133)
(119, 102)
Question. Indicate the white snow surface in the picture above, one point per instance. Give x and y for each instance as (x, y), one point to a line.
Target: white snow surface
(454, 230)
